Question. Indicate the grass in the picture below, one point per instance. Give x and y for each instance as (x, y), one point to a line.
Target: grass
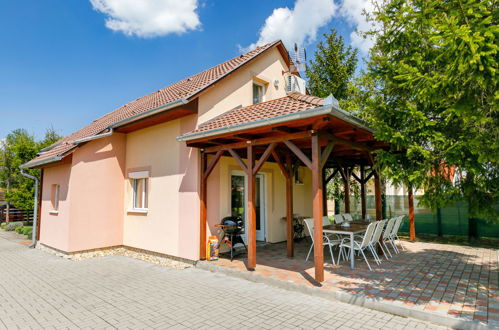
(484, 242)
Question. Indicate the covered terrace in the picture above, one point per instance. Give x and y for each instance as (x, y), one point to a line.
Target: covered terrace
(295, 128)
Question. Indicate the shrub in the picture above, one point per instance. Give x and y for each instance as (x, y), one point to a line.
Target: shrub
(13, 225)
(26, 230)
(19, 230)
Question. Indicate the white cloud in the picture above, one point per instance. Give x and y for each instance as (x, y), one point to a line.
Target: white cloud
(353, 12)
(149, 18)
(298, 25)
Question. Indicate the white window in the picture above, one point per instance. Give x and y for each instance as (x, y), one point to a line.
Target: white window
(54, 197)
(258, 93)
(139, 181)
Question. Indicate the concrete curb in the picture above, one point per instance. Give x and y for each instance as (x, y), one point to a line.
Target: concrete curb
(358, 300)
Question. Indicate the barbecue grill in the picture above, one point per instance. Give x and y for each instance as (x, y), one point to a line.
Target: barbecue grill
(233, 228)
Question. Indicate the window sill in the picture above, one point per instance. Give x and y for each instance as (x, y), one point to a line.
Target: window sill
(139, 211)
(54, 212)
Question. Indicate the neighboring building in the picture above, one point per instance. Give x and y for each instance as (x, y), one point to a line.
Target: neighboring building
(126, 179)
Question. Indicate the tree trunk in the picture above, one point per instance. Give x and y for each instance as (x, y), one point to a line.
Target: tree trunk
(472, 228)
(439, 222)
(336, 206)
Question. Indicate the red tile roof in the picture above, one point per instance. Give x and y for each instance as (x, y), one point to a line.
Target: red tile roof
(184, 89)
(290, 104)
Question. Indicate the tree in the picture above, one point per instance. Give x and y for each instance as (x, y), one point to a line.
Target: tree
(331, 72)
(430, 91)
(19, 147)
(332, 68)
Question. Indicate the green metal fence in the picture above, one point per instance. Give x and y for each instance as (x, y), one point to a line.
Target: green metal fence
(454, 217)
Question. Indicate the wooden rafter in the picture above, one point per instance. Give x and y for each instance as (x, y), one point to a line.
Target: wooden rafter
(261, 141)
(213, 163)
(264, 157)
(297, 151)
(326, 152)
(238, 159)
(351, 144)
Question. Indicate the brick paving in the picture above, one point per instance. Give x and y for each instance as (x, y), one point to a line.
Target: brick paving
(42, 291)
(455, 281)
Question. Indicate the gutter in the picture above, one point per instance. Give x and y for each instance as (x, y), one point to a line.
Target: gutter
(41, 162)
(323, 110)
(35, 208)
(93, 137)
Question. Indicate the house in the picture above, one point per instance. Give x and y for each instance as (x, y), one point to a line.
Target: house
(160, 172)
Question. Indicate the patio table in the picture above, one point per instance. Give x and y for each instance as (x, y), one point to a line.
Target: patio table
(355, 228)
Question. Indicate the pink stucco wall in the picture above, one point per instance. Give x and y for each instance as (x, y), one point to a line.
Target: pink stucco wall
(96, 188)
(188, 229)
(54, 229)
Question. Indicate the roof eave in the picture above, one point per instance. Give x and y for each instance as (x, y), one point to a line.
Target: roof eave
(319, 111)
(50, 160)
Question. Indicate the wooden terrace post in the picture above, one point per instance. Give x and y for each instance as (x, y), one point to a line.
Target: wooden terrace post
(377, 194)
(346, 182)
(324, 191)
(202, 208)
(412, 229)
(363, 191)
(251, 208)
(289, 207)
(317, 208)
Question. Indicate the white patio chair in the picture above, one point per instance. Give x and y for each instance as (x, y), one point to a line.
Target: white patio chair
(325, 239)
(338, 219)
(376, 239)
(359, 245)
(387, 235)
(394, 235)
(326, 222)
(347, 217)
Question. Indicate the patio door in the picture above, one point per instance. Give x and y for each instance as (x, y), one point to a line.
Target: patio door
(239, 199)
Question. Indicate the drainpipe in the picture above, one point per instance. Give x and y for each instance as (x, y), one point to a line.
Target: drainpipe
(35, 209)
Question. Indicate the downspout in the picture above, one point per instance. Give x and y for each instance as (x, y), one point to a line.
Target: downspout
(35, 209)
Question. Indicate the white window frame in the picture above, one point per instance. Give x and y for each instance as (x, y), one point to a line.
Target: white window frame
(55, 198)
(263, 91)
(135, 178)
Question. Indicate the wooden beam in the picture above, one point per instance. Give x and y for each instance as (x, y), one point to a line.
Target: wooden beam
(251, 209)
(363, 191)
(346, 183)
(284, 129)
(377, 195)
(326, 152)
(261, 141)
(324, 192)
(412, 227)
(202, 208)
(317, 209)
(330, 177)
(356, 177)
(264, 157)
(289, 209)
(284, 170)
(351, 144)
(299, 153)
(238, 159)
(213, 163)
(369, 176)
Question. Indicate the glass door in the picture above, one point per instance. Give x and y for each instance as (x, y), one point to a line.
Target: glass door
(239, 198)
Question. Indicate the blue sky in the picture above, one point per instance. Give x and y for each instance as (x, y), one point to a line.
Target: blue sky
(62, 66)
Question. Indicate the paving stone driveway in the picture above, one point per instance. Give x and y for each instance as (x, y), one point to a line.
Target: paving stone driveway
(39, 290)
